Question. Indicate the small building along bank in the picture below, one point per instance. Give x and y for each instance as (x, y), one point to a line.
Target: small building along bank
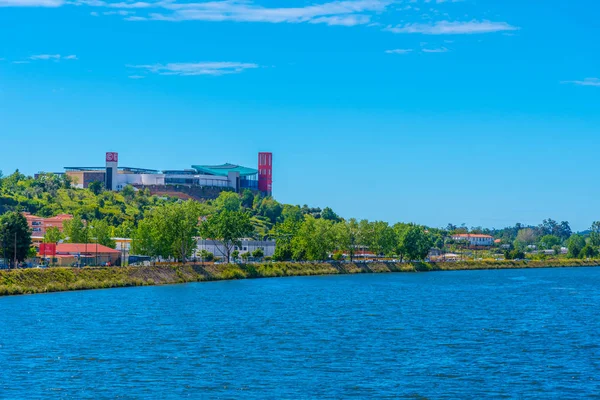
(218, 177)
(247, 246)
(474, 240)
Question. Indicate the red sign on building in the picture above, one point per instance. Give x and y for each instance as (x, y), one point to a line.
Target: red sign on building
(48, 249)
(112, 157)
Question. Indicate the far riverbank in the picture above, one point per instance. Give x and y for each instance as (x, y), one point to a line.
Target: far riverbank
(31, 281)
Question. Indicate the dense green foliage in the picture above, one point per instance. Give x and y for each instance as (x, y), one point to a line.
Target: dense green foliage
(168, 231)
(229, 227)
(167, 228)
(15, 237)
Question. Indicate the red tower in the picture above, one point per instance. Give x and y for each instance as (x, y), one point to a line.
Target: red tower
(265, 173)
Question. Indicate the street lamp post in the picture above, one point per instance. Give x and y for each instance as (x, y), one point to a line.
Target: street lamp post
(15, 258)
(4, 247)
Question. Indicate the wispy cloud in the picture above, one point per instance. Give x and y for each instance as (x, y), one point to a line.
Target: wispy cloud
(399, 51)
(21, 62)
(341, 12)
(31, 3)
(55, 57)
(201, 68)
(586, 82)
(119, 12)
(453, 28)
(45, 57)
(136, 77)
(439, 50)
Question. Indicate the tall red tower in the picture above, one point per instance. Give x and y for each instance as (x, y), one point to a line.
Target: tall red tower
(265, 173)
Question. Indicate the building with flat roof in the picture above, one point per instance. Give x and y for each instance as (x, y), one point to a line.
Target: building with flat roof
(474, 239)
(247, 246)
(224, 177)
(39, 225)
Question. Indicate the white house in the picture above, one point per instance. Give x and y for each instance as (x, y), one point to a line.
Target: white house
(248, 246)
(474, 239)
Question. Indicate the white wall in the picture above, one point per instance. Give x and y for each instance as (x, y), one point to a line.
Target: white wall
(139, 179)
(248, 246)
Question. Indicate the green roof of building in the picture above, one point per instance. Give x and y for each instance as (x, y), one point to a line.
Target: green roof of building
(224, 170)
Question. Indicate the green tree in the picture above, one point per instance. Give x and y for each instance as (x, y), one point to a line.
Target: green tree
(575, 244)
(235, 255)
(229, 201)
(329, 215)
(247, 198)
(168, 231)
(229, 228)
(100, 232)
(588, 251)
(595, 234)
(270, 209)
(15, 237)
(96, 187)
(526, 237)
(128, 192)
(284, 233)
(125, 230)
(206, 255)
(378, 236)
(315, 239)
(348, 236)
(258, 253)
(53, 235)
(414, 243)
(75, 229)
(515, 254)
(557, 250)
(293, 213)
(549, 241)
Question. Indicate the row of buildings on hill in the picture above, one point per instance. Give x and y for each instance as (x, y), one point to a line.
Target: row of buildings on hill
(201, 181)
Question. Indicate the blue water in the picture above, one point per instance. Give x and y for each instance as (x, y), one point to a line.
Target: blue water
(472, 334)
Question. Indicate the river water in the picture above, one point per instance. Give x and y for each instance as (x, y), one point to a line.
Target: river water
(469, 334)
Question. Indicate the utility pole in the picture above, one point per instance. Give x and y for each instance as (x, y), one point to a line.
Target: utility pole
(15, 264)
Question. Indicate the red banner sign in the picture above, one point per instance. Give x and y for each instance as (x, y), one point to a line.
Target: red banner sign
(48, 249)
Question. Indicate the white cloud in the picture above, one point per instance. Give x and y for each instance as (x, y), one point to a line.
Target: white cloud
(31, 3)
(119, 12)
(201, 68)
(55, 57)
(454, 28)
(399, 51)
(343, 20)
(21, 62)
(586, 82)
(45, 57)
(136, 77)
(341, 12)
(440, 50)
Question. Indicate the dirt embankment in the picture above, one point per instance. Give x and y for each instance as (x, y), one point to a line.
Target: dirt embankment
(29, 281)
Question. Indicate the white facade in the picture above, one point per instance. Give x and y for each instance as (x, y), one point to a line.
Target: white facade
(139, 179)
(112, 170)
(248, 246)
(475, 239)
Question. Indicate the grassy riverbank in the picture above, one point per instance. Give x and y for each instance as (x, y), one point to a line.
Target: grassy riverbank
(29, 281)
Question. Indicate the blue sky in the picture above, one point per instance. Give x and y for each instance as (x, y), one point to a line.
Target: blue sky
(484, 112)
